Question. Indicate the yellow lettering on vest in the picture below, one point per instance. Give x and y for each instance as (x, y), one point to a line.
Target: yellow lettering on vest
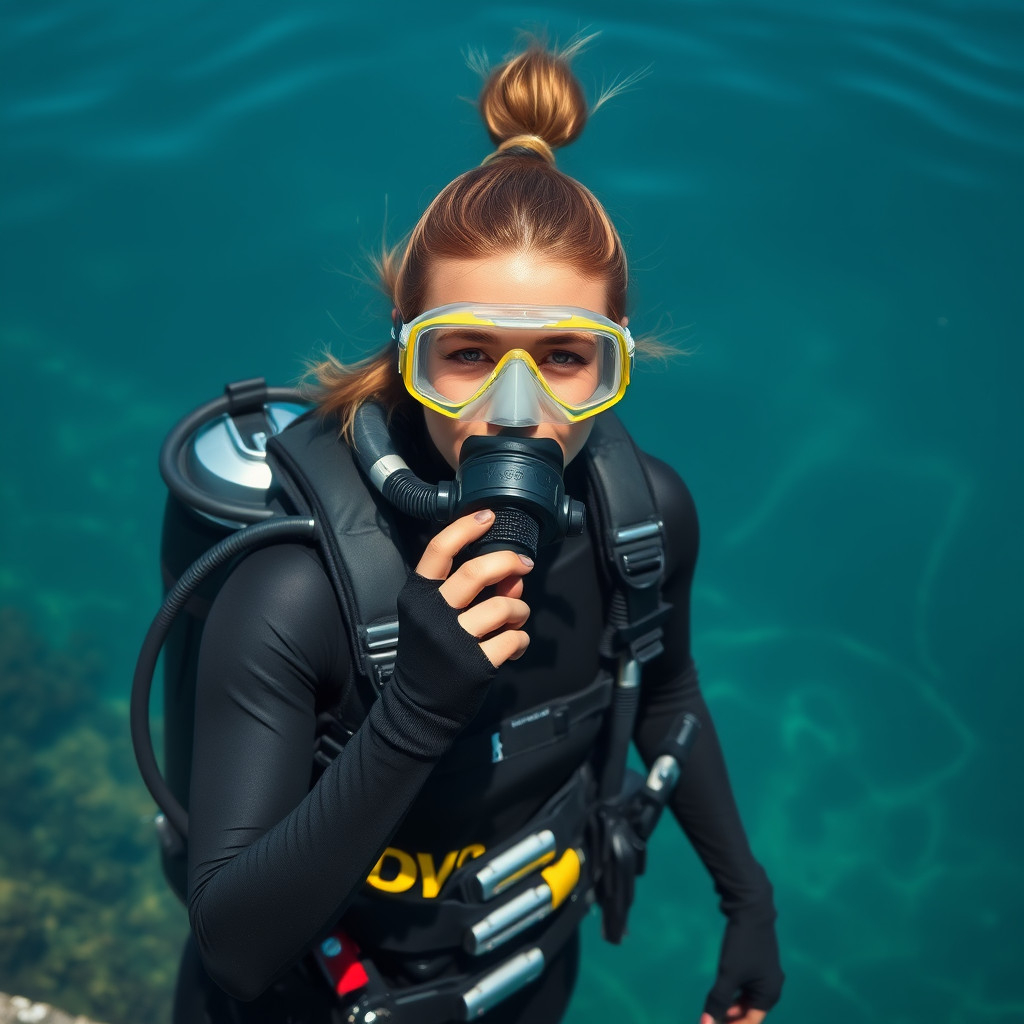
(469, 852)
(433, 879)
(403, 881)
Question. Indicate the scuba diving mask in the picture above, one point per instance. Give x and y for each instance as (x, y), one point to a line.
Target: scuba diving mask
(512, 365)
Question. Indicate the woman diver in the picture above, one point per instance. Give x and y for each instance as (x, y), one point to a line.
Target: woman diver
(463, 792)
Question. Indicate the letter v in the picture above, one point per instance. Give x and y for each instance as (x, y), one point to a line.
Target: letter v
(433, 879)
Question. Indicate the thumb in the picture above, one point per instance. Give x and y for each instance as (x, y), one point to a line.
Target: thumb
(706, 1018)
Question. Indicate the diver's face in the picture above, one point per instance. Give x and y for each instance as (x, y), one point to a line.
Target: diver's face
(509, 278)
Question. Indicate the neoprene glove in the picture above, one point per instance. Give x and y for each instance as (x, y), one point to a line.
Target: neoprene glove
(748, 965)
(441, 675)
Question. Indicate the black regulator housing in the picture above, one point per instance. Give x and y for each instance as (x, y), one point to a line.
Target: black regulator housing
(520, 478)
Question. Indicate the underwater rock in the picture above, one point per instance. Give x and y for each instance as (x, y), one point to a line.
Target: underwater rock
(19, 1010)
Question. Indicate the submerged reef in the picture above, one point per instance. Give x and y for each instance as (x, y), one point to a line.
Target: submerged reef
(86, 920)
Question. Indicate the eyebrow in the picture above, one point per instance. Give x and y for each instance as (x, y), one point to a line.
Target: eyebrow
(563, 336)
(480, 336)
(468, 334)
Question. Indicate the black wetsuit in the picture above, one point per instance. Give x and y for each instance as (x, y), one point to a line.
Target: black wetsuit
(273, 862)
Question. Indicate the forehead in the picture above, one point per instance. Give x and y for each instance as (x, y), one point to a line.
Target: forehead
(513, 278)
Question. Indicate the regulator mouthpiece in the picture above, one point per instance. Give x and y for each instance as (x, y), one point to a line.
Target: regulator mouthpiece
(520, 478)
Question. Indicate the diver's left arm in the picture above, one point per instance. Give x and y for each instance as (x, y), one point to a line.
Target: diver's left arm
(749, 978)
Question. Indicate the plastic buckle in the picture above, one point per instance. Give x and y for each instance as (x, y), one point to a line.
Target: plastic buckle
(380, 649)
(640, 553)
(643, 636)
(647, 647)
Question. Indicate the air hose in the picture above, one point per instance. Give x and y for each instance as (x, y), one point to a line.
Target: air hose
(390, 473)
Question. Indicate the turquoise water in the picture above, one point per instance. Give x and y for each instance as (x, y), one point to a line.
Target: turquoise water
(823, 206)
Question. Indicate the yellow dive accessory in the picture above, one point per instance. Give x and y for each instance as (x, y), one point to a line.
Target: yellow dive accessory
(514, 365)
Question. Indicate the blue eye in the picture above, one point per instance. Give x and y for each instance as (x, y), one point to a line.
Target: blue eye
(466, 356)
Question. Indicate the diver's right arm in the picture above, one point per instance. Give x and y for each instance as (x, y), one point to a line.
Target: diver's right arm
(272, 864)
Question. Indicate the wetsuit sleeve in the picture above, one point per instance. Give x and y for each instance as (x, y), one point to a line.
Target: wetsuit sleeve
(703, 801)
(273, 863)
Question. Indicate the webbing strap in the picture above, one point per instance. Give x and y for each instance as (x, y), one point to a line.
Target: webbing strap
(632, 541)
(362, 554)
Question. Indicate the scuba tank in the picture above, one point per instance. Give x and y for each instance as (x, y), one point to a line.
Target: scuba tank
(215, 467)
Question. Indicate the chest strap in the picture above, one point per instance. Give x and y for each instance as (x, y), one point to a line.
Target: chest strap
(524, 732)
(531, 730)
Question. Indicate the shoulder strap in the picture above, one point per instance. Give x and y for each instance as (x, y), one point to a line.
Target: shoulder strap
(633, 545)
(632, 541)
(360, 548)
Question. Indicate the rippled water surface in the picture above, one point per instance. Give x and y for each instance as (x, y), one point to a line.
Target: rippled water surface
(823, 206)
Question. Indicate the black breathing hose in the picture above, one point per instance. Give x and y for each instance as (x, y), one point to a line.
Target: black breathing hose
(390, 475)
(258, 535)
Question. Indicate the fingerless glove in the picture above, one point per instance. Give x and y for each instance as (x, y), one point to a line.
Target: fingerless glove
(748, 966)
(441, 675)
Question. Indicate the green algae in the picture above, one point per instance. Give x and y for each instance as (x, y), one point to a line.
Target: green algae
(86, 921)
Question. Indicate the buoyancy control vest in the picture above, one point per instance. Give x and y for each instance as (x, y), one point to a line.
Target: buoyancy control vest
(238, 446)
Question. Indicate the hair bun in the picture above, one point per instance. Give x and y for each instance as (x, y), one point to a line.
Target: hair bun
(535, 94)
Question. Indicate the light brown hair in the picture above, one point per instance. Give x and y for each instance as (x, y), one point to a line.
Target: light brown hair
(516, 201)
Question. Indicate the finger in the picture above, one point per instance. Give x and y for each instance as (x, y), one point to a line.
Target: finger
(509, 645)
(739, 1014)
(493, 614)
(463, 586)
(437, 559)
(750, 1017)
(511, 586)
